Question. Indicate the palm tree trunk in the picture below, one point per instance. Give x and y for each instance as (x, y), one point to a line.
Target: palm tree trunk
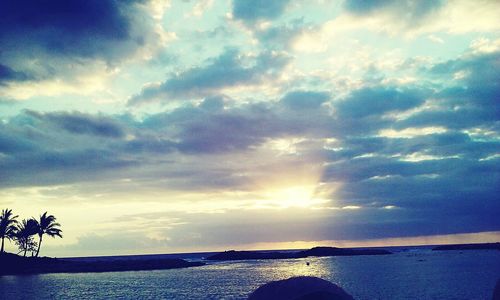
(39, 245)
(3, 240)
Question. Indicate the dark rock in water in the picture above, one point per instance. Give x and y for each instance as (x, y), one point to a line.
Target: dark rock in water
(317, 251)
(333, 251)
(484, 246)
(300, 288)
(12, 264)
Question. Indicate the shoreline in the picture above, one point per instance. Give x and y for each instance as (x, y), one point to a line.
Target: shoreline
(13, 264)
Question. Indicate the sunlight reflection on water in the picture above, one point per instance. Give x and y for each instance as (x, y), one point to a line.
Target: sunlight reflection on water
(298, 267)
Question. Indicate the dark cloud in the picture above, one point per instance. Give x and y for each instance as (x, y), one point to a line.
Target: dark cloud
(80, 123)
(251, 11)
(41, 167)
(307, 100)
(472, 101)
(455, 194)
(238, 128)
(230, 69)
(480, 84)
(440, 145)
(53, 148)
(57, 33)
(377, 101)
(214, 130)
(10, 142)
(411, 9)
(148, 144)
(65, 26)
(7, 74)
(452, 118)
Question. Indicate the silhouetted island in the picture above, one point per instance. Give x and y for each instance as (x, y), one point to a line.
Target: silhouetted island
(12, 264)
(316, 251)
(483, 246)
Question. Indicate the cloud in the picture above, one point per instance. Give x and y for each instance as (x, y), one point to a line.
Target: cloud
(377, 101)
(230, 69)
(73, 146)
(201, 7)
(57, 148)
(281, 36)
(251, 11)
(412, 9)
(7, 74)
(299, 100)
(409, 19)
(71, 28)
(428, 147)
(58, 167)
(471, 98)
(442, 193)
(44, 41)
(82, 123)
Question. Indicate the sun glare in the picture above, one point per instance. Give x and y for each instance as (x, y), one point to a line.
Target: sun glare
(296, 196)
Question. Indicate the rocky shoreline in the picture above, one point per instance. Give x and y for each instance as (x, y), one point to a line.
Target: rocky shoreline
(12, 264)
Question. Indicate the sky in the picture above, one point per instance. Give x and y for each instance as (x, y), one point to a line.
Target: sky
(150, 126)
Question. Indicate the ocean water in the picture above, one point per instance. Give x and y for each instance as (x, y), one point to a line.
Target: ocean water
(417, 273)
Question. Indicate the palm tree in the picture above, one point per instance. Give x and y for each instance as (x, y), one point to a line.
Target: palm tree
(8, 226)
(24, 235)
(47, 225)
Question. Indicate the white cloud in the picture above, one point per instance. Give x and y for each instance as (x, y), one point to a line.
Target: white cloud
(410, 132)
(201, 7)
(456, 17)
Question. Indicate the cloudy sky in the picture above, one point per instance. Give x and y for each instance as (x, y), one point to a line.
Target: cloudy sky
(150, 126)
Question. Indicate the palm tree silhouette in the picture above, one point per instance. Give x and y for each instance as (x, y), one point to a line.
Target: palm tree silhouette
(47, 225)
(8, 226)
(24, 235)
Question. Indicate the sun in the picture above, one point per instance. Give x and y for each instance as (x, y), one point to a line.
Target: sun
(298, 196)
(294, 196)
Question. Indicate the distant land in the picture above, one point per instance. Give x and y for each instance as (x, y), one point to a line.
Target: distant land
(12, 264)
(484, 246)
(314, 252)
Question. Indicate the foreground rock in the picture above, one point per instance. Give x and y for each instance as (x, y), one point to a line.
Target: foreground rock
(12, 264)
(316, 251)
(300, 288)
(484, 246)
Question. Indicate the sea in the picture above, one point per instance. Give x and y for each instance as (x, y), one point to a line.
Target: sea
(409, 273)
